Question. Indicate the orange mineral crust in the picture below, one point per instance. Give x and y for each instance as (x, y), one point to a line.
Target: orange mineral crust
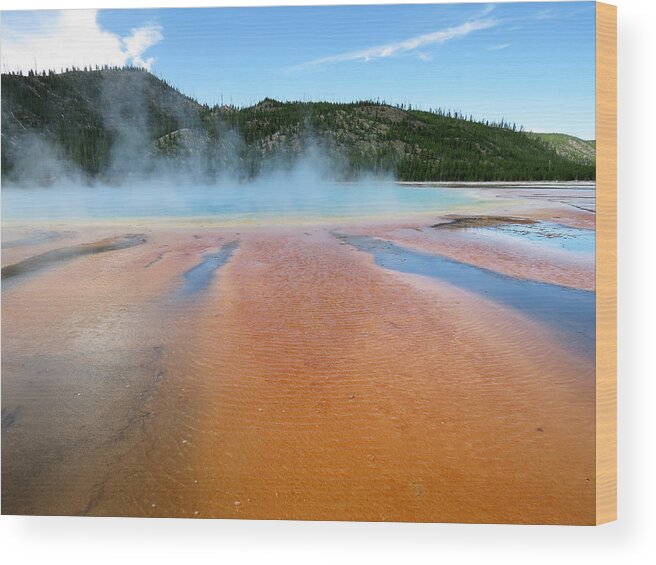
(300, 380)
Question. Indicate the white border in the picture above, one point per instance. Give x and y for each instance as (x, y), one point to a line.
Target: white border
(630, 540)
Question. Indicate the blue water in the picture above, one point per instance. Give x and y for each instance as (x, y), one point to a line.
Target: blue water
(275, 199)
(569, 312)
(549, 234)
(200, 276)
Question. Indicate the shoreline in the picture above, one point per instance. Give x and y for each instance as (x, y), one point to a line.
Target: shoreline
(501, 184)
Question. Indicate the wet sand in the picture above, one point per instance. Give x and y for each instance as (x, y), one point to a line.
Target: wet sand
(300, 380)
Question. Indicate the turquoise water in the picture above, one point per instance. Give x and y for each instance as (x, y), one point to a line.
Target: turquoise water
(256, 201)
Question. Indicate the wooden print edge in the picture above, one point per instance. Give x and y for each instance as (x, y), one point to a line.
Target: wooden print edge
(606, 263)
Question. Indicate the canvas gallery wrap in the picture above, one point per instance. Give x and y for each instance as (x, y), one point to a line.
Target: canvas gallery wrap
(310, 263)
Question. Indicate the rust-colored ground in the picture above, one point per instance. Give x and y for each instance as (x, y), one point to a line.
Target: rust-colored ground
(305, 382)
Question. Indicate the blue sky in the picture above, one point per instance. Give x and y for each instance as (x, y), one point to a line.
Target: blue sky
(530, 63)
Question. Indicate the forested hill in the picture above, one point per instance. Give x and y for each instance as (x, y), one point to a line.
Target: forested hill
(108, 123)
(580, 150)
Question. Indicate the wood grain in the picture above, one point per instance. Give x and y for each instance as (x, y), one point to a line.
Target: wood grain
(606, 400)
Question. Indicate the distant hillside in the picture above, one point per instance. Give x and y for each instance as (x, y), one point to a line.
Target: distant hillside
(111, 123)
(572, 148)
(86, 114)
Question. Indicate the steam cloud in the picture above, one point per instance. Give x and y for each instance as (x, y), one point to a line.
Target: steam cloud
(184, 156)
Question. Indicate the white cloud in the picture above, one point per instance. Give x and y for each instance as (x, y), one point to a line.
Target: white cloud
(139, 41)
(73, 38)
(407, 45)
(498, 47)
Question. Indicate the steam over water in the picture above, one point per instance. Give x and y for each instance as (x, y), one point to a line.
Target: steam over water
(275, 199)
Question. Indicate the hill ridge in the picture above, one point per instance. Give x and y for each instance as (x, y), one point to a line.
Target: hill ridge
(111, 123)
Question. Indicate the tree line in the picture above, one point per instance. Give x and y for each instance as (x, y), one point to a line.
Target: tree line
(70, 109)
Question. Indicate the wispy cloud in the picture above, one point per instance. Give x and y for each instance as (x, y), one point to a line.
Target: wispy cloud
(73, 38)
(487, 9)
(404, 46)
(498, 47)
(545, 15)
